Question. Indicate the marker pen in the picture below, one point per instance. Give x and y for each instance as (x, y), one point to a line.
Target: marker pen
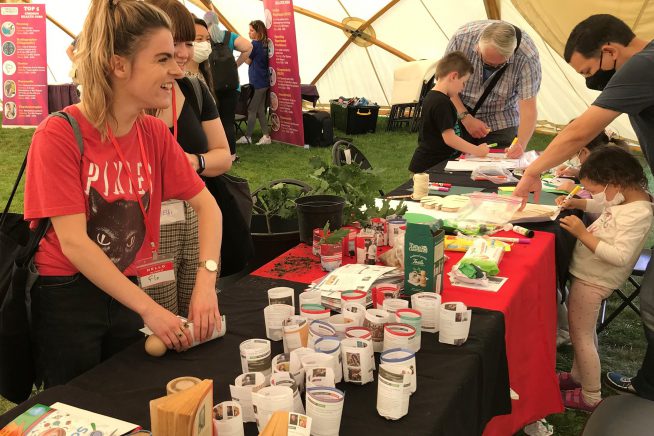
(523, 231)
(439, 188)
(441, 184)
(569, 196)
(511, 240)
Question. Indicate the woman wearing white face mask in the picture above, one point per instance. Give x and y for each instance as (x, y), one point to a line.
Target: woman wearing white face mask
(604, 256)
(198, 66)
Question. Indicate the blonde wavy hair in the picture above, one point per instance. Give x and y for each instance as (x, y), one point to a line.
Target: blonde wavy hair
(112, 27)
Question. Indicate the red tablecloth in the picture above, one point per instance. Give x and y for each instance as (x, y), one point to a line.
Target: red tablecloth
(528, 301)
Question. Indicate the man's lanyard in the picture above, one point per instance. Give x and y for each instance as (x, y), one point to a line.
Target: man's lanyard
(133, 183)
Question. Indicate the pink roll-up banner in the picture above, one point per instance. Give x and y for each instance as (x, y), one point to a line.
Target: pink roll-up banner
(24, 64)
(285, 96)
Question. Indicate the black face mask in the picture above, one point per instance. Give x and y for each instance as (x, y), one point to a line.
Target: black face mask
(600, 79)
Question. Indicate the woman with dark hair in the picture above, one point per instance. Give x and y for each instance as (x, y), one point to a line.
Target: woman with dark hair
(198, 66)
(258, 74)
(193, 120)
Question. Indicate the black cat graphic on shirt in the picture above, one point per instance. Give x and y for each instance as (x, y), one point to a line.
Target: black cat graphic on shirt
(118, 228)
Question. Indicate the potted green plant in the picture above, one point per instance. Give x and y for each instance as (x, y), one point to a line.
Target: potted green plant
(274, 226)
(359, 187)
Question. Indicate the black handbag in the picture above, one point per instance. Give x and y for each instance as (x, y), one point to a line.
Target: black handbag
(233, 197)
(18, 244)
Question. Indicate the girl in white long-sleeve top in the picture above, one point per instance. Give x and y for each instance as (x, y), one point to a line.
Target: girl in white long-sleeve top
(603, 259)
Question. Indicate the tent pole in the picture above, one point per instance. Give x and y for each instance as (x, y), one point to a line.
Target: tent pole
(493, 10)
(361, 28)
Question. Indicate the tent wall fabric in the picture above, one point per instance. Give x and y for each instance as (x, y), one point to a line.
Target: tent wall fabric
(401, 31)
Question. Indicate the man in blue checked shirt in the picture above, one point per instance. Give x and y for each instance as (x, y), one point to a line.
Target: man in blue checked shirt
(508, 114)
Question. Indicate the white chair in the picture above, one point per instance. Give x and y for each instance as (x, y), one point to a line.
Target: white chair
(411, 81)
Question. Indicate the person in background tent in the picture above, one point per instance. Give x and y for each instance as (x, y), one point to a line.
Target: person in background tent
(224, 71)
(508, 116)
(438, 134)
(258, 74)
(200, 134)
(603, 258)
(604, 50)
(104, 205)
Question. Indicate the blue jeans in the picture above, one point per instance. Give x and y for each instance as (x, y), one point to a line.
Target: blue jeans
(75, 326)
(644, 380)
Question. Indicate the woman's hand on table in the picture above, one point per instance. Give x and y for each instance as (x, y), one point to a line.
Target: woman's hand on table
(203, 312)
(573, 225)
(476, 128)
(168, 327)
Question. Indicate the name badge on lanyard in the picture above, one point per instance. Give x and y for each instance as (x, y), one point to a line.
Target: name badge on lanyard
(155, 271)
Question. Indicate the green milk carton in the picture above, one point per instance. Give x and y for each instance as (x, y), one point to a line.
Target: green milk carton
(423, 257)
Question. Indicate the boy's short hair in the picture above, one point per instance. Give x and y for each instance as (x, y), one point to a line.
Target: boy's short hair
(452, 62)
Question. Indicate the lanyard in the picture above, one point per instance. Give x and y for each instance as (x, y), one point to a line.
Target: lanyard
(132, 180)
(174, 114)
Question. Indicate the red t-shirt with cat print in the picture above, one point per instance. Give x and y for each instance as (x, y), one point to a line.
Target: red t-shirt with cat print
(56, 184)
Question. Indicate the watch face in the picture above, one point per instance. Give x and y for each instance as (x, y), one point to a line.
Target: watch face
(211, 265)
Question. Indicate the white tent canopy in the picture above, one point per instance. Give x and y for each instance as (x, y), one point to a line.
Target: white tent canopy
(402, 30)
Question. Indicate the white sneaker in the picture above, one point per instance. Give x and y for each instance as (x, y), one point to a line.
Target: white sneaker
(244, 140)
(265, 139)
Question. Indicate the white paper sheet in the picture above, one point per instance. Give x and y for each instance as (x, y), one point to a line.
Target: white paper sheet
(274, 315)
(429, 305)
(271, 399)
(241, 391)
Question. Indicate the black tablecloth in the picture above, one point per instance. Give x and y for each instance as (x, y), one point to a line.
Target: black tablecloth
(459, 388)
(564, 241)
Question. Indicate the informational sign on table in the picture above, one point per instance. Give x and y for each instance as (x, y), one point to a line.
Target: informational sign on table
(24, 64)
(285, 97)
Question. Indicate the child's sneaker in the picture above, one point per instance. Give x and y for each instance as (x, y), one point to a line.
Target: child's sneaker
(575, 400)
(244, 140)
(619, 383)
(265, 139)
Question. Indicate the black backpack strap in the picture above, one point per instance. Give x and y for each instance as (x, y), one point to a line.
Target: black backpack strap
(80, 144)
(497, 76)
(197, 89)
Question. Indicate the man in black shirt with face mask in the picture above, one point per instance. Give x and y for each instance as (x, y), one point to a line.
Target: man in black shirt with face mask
(603, 49)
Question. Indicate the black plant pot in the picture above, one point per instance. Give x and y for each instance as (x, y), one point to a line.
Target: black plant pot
(272, 238)
(313, 211)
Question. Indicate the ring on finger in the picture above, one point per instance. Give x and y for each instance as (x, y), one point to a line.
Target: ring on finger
(180, 334)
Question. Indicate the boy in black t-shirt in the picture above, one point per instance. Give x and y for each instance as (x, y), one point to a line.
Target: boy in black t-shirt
(438, 138)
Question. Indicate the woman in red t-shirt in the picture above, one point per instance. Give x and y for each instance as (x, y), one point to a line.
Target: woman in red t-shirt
(105, 204)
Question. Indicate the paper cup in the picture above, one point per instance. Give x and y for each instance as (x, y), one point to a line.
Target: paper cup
(310, 297)
(274, 315)
(255, 356)
(355, 311)
(375, 321)
(331, 345)
(314, 311)
(281, 295)
(295, 331)
(228, 419)
(398, 335)
(402, 357)
(429, 306)
(412, 317)
(392, 305)
(325, 407)
(319, 329)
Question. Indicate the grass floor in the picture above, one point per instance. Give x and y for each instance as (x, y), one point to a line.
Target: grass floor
(622, 344)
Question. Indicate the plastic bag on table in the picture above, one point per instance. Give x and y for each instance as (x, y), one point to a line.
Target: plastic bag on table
(495, 173)
(481, 261)
(486, 213)
(527, 158)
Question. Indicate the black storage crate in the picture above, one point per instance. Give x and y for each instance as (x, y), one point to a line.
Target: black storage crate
(354, 119)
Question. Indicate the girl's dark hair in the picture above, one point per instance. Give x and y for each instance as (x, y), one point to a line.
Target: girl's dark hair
(205, 67)
(613, 165)
(261, 30)
(180, 18)
(603, 139)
